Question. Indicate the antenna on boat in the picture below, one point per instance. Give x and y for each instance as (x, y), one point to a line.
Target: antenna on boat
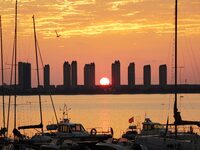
(38, 76)
(66, 112)
(2, 76)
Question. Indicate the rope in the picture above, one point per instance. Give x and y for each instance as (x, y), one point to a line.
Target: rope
(11, 77)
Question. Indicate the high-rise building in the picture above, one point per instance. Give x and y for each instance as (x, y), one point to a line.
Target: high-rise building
(116, 73)
(74, 73)
(163, 75)
(66, 74)
(147, 75)
(92, 74)
(46, 76)
(24, 75)
(89, 75)
(86, 75)
(131, 74)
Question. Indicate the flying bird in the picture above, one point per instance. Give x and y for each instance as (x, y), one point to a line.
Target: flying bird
(57, 35)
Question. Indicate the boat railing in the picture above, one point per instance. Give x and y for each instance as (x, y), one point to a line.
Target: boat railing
(100, 130)
(186, 129)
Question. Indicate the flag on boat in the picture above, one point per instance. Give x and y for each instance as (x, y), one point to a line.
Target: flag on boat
(131, 120)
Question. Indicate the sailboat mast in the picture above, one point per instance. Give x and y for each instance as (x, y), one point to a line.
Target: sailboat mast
(38, 77)
(176, 61)
(15, 68)
(2, 74)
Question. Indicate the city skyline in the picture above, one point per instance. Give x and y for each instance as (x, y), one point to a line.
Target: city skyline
(70, 76)
(139, 31)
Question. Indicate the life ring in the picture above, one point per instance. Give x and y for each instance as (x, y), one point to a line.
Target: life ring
(93, 131)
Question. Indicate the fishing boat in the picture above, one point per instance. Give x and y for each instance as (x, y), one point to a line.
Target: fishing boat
(152, 128)
(66, 131)
(176, 140)
(148, 128)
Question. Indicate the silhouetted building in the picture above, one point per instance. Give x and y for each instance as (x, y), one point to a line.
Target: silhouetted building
(86, 75)
(74, 73)
(46, 76)
(147, 75)
(163, 75)
(92, 72)
(89, 75)
(66, 74)
(131, 74)
(24, 75)
(116, 73)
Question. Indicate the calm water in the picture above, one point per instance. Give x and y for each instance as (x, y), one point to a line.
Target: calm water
(104, 110)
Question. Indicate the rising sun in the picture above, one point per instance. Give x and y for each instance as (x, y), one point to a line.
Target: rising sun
(104, 81)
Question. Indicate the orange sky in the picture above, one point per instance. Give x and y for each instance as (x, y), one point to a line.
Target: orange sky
(102, 31)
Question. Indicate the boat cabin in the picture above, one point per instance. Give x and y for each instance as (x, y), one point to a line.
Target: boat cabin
(131, 132)
(66, 127)
(150, 127)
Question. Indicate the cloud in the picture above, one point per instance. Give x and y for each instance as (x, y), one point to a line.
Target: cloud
(94, 17)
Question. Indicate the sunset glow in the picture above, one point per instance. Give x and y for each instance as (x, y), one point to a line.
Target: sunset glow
(104, 81)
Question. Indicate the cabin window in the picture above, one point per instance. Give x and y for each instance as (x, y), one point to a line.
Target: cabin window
(77, 128)
(73, 128)
(148, 127)
(59, 128)
(63, 129)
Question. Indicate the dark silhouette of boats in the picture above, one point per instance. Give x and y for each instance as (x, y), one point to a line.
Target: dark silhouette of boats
(148, 128)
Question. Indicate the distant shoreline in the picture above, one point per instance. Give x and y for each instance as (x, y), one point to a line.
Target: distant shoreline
(82, 90)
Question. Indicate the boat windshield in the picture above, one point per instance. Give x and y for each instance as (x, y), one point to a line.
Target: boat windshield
(77, 128)
(152, 126)
(68, 128)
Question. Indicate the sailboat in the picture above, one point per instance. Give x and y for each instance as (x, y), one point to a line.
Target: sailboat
(173, 140)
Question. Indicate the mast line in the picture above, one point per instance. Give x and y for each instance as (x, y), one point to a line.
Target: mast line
(38, 76)
(15, 67)
(2, 73)
(9, 98)
(176, 58)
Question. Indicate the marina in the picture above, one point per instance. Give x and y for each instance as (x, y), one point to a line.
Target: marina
(110, 121)
(105, 110)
